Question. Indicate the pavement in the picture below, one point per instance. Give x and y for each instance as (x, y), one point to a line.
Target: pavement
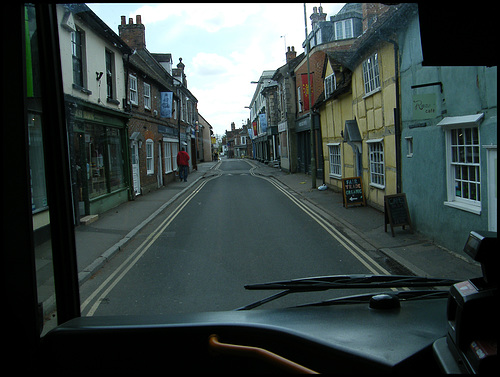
(99, 240)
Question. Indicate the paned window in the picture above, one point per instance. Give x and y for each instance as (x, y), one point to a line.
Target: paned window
(377, 166)
(465, 164)
(132, 84)
(77, 57)
(149, 156)
(335, 160)
(371, 77)
(147, 96)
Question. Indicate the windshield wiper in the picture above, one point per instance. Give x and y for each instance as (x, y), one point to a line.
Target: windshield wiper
(323, 283)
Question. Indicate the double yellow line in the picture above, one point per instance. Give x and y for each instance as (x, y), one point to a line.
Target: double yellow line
(350, 246)
(122, 270)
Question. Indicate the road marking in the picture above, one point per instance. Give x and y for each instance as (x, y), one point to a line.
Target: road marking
(136, 255)
(359, 254)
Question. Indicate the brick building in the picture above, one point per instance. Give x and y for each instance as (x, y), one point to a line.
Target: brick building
(156, 133)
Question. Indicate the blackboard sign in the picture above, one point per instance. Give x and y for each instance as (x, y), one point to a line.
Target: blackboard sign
(396, 212)
(352, 190)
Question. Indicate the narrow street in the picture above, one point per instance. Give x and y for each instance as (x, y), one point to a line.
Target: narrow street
(232, 229)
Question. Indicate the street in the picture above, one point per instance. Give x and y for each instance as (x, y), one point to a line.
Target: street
(231, 229)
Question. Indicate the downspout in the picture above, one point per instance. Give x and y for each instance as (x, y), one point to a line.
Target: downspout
(397, 115)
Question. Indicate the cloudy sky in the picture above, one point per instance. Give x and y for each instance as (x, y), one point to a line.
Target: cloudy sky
(223, 46)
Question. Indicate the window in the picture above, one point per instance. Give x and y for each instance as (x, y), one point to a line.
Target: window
(343, 29)
(37, 165)
(149, 156)
(335, 160)
(464, 181)
(167, 156)
(77, 39)
(243, 140)
(147, 96)
(330, 85)
(132, 84)
(409, 146)
(377, 168)
(105, 169)
(299, 98)
(110, 72)
(175, 149)
(371, 76)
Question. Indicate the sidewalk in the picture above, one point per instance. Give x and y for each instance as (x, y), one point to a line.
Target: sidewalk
(100, 240)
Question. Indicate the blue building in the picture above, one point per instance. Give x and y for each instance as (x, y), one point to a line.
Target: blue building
(448, 143)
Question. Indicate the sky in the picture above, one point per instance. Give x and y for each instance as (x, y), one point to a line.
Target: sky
(223, 46)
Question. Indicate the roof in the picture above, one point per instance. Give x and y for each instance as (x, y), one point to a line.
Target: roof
(382, 29)
(90, 18)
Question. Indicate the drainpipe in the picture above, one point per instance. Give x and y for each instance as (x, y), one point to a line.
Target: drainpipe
(397, 115)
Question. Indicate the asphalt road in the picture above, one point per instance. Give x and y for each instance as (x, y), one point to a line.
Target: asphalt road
(232, 229)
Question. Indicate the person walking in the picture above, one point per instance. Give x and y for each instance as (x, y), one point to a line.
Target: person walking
(183, 162)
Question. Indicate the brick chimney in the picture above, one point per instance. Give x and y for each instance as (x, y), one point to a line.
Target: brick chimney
(317, 16)
(133, 34)
(291, 54)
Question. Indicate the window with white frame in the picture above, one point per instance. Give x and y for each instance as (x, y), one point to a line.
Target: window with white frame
(371, 77)
(343, 29)
(377, 165)
(464, 166)
(330, 84)
(168, 156)
(132, 85)
(175, 150)
(147, 96)
(335, 160)
(149, 156)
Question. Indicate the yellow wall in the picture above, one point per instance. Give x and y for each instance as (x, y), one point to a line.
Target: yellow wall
(375, 117)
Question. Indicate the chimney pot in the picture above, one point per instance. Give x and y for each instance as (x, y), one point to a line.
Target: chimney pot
(138, 19)
(130, 21)
(124, 20)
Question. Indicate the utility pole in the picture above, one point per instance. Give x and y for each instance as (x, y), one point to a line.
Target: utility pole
(313, 158)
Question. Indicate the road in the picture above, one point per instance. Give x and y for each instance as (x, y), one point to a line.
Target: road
(231, 229)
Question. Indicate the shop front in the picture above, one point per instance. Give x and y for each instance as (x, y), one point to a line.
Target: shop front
(98, 154)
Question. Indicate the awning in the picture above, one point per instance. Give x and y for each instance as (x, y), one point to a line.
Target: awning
(136, 136)
(464, 120)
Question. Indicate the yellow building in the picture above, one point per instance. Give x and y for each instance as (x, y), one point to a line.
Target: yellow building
(357, 116)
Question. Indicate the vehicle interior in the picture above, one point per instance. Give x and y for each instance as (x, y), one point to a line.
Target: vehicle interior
(384, 333)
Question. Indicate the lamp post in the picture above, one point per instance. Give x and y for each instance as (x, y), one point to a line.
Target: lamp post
(313, 158)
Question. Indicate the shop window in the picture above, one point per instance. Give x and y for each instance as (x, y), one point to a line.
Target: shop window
(104, 160)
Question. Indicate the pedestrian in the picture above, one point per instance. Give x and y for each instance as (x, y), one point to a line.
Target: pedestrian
(183, 163)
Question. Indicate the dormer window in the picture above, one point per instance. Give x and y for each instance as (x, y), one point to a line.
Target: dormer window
(343, 29)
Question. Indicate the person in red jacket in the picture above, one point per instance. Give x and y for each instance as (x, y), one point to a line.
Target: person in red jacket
(183, 163)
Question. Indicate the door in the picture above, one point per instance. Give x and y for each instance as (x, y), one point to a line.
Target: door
(136, 178)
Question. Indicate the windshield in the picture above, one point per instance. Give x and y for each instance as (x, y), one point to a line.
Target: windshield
(216, 146)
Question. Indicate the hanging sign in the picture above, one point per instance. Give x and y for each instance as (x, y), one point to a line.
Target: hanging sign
(166, 105)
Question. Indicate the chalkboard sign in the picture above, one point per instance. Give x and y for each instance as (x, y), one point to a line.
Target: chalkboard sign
(352, 190)
(396, 212)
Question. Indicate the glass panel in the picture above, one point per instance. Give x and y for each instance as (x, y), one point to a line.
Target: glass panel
(39, 206)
